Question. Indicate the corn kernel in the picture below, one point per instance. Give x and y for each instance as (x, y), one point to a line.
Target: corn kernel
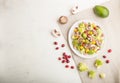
(83, 40)
(93, 42)
(75, 30)
(87, 50)
(90, 32)
(81, 47)
(86, 41)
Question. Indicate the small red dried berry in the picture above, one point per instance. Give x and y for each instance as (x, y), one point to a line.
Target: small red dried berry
(59, 58)
(107, 61)
(65, 57)
(63, 45)
(72, 67)
(104, 56)
(67, 61)
(109, 50)
(55, 43)
(63, 61)
(69, 56)
(57, 48)
(66, 66)
(64, 53)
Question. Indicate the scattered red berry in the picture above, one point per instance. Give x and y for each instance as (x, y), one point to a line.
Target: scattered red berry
(67, 61)
(109, 50)
(66, 66)
(55, 43)
(107, 61)
(72, 67)
(69, 56)
(59, 58)
(57, 48)
(104, 56)
(63, 45)
(63, 61)
(64, 53)
(65, 57)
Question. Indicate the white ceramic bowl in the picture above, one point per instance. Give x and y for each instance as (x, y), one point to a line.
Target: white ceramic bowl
(70, 39)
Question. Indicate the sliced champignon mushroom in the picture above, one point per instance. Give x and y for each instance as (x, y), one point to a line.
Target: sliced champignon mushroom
(63, 19)
(55, 33)
(75, 10)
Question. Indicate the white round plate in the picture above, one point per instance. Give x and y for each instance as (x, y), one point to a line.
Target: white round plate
(70, 39)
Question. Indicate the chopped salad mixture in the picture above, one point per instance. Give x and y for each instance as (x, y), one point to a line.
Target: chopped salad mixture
(87, 38)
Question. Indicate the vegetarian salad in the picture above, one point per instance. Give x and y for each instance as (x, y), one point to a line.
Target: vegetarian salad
(87, 38)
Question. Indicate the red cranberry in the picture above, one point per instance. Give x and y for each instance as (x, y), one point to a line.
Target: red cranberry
(64, 53)
(57, 48)
(72, 67)
(109, 50)
(67, 61)
(65, 57)
(63, 45)
(55, 43)
(107, 61)
(104, 56)
(66, 66)
(59, 58)
(63, 61)
(69, 56)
